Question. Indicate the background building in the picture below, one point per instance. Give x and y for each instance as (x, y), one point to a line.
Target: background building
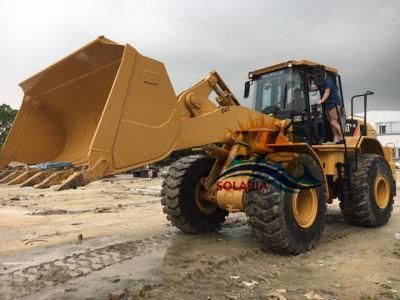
(387, 125)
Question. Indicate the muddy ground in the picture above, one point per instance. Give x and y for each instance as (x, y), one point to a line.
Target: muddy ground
(110, 240)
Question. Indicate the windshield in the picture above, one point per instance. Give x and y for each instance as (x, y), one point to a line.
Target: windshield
(283, 90)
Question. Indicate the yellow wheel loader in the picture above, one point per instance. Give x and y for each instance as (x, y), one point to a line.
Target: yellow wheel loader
(106, 109)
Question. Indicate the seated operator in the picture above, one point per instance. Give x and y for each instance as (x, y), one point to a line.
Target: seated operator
(297, 103)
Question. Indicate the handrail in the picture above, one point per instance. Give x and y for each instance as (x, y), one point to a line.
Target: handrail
(365, 95)
(364, 133)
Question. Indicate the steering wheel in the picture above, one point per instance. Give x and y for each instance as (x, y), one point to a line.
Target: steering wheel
(272, 109)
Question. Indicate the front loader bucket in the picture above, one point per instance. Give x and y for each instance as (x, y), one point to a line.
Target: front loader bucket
(103, 109)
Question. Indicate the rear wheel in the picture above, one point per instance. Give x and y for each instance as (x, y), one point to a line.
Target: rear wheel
(183, 196)
(287, 221)
(367, 199)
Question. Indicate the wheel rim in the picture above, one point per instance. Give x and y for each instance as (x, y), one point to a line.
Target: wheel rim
(382, 191)
(305, 207)
(202, 203)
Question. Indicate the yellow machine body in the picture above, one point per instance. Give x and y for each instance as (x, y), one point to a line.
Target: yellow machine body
(106, 109)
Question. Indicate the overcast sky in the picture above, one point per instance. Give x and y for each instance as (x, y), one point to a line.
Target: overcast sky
(360, 38)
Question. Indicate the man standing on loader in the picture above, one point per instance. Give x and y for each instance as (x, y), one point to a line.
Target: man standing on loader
(331, 101)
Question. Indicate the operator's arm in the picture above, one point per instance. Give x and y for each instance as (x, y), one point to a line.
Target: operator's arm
(325, 96)
(328, 87)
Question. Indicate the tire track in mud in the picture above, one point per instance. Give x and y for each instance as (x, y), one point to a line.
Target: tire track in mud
(332, 235)
(34, 278)
(336, 229)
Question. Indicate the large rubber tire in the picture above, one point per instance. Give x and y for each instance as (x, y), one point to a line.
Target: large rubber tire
(358, 202)
(179, 196)
(271, 216)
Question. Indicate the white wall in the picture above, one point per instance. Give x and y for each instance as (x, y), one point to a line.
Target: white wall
(392, 121)
(375, 116)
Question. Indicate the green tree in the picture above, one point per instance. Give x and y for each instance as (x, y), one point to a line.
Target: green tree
(7, 116)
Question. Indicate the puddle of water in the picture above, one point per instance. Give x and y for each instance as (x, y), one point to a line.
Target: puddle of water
(190, 248)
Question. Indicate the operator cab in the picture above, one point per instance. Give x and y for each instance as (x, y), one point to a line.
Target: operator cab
(283, 91)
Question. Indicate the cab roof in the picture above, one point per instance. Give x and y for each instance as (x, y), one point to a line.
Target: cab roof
(283, 65)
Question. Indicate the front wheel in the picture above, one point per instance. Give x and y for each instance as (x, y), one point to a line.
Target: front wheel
(183, 196)
(287, 221)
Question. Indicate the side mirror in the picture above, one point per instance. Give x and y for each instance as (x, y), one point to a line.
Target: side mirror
(247, 85)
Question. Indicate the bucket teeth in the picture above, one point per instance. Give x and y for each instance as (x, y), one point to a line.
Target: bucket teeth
(11, 176)
(36, 178)
(5, 173)
(54, 179)
(72, 182)
(23, 177)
